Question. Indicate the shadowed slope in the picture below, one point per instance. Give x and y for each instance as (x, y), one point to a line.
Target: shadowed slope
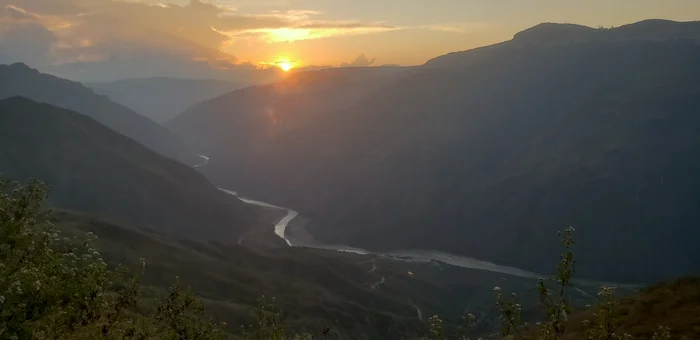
(95, 170)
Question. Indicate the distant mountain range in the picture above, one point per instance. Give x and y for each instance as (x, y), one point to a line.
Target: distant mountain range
(20, 80)
(162, 99)
(234, 129)
(487, 152)
(95, 170)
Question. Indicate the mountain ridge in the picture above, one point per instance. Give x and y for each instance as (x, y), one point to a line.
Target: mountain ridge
(553, 34)
(95, 170)
(163, 98)
(21, 80)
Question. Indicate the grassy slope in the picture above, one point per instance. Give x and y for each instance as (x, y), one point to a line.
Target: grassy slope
(674, 304)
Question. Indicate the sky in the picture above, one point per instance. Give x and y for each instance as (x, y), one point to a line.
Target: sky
(99, 40)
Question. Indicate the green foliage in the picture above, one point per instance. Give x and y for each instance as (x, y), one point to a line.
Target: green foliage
(555, 304)
(605, 325)
(268, 323)
(437, 329)
(59, 288)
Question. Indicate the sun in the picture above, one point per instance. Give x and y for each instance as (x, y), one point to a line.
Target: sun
(285, 65)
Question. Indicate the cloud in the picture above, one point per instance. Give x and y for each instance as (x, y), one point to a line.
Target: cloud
(302, 25)
(293, 34)
(23, 38)
(17, 14)
(74, 37)
(360, 61)
(460, 27)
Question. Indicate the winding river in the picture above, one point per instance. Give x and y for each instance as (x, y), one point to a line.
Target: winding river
(405, 255)
(414, 255)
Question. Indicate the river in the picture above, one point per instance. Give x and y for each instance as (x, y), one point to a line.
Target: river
(413, 255)
(404, 255)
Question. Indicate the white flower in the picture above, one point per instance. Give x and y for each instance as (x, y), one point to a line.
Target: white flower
(497, 289)
(2, 299)
(17, 287)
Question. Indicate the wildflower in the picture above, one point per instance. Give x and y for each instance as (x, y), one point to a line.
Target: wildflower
(497, 289)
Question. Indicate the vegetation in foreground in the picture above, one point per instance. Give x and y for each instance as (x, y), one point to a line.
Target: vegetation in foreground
(54, 288)
(611, 319)
(59, 288)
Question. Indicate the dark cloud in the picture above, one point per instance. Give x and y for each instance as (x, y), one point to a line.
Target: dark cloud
(26, 42)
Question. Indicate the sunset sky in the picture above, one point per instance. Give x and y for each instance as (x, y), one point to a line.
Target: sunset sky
(96, 39)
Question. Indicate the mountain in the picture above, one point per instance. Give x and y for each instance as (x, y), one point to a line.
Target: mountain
(488, 152)
(266, 111)
(162, 99)
(552, 34)
(20, 80)
(94, 170)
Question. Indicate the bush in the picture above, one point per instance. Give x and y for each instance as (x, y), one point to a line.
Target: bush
(58, 288)
(604, 325)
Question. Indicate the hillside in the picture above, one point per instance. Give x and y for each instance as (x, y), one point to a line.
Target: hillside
(674, 304)
(488, 152)
(97, 171)
(316, 289)
(162, 99)
(333, 289)
(20, 80)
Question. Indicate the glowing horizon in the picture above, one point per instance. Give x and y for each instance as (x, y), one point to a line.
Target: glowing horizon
(182, 36)
(285, 65)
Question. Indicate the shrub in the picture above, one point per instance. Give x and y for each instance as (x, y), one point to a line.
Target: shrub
(605, 324)
(58, 288)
